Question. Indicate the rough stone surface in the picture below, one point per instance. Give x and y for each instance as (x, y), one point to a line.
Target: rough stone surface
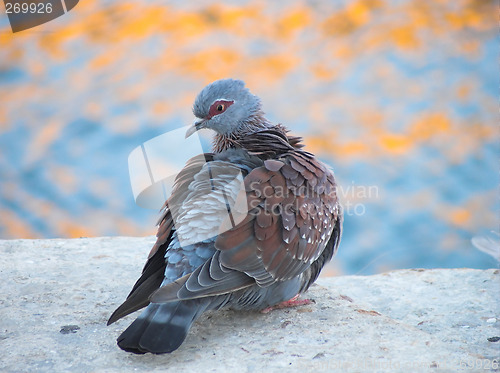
(56, 296)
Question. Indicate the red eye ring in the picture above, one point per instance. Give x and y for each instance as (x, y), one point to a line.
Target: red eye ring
(218, 107)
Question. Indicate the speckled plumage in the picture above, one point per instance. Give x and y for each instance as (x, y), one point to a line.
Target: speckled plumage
(290, 231)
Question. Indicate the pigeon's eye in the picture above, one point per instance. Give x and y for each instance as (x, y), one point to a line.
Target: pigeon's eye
(218, 107)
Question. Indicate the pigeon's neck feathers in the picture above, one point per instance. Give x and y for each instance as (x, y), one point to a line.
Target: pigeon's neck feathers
(253, 124)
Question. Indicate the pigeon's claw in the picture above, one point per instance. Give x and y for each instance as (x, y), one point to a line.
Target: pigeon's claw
(294, 302)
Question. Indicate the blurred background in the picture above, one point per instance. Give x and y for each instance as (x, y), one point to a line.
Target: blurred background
(400, 97)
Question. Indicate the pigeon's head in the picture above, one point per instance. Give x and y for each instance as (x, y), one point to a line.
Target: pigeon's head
(224, 106)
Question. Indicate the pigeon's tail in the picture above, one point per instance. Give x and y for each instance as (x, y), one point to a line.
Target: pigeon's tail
(161, 328)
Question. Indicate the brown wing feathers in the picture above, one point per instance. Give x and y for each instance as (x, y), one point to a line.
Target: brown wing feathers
(289, 224)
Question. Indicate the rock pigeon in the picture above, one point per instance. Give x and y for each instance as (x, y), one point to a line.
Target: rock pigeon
(289, 228)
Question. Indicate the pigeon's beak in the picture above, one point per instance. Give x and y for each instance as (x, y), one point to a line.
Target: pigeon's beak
(198, 125)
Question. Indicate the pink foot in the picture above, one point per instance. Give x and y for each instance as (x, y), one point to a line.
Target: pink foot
(294, 302)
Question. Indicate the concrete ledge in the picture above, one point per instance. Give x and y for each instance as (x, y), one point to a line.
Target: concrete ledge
(56, 296)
